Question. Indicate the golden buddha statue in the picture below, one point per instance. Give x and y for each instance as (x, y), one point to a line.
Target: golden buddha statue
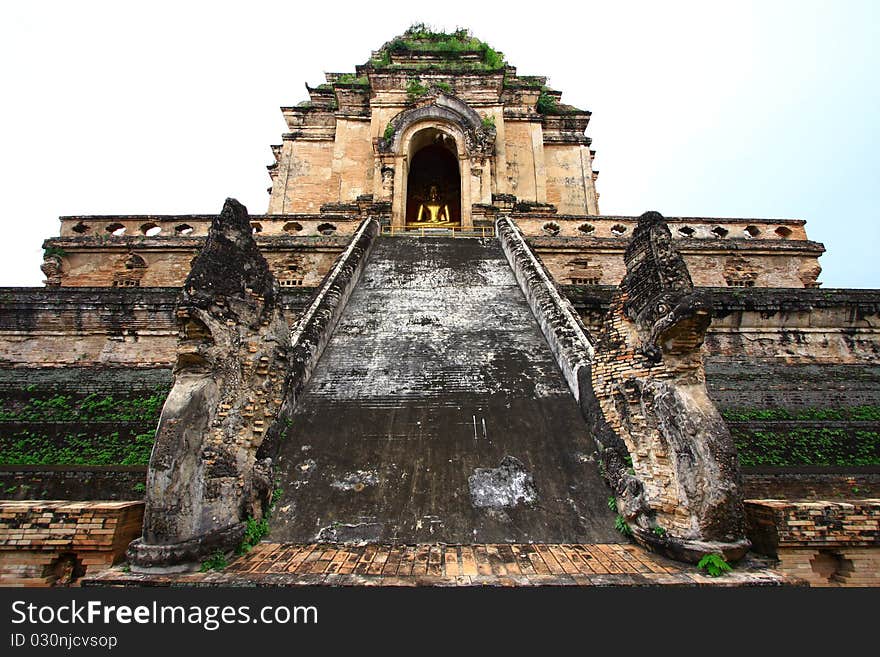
(433, 211)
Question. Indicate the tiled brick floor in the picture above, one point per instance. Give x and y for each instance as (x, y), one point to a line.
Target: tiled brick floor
(274, 564)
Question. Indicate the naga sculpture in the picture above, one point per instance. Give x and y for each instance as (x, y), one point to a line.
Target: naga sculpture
(665, 449)
(209, 471)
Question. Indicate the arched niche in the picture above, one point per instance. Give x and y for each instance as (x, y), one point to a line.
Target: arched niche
(448, 123)
(433, 179)
(435, 135)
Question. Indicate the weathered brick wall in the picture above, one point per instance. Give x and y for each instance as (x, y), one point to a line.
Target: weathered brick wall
(825, 567)
(71, 482)
(718, 252)
(169, 267)
(353, 158)
(570, 185)
(811, 483)
(785, 523)
(525, 173)
(46, 543)
(299, 248)
(773, 325)
(86, 254)
(65, 431)
(305, 174)
(25, 381)
(38, 327)
(758, 384)
(825, 543)
(82, 327)
(178, 228)
(799, 413)
(620, 228)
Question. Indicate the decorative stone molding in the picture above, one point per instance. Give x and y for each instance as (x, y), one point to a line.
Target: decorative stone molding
(52, 268)
(439, 106)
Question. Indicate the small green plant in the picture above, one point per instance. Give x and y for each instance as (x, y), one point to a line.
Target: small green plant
(255, 531)
(546, 104)
(612, 503)
(54, 251)
(444, 87)
(350, 78)
(491, 57)
(217, 561)
(488, 122)
(415, 89)
(621, 525)
(864, 413)
(659, 531)
(389, 132)
(140, 488)
(382, 60)
(714, 565)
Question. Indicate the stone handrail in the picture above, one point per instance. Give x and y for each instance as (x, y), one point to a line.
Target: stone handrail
(315, 327)
(560, 324)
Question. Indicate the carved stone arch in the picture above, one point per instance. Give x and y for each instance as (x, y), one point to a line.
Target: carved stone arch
(479, 140)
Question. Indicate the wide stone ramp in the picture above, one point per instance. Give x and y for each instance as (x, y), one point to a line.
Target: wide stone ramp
(438, 414)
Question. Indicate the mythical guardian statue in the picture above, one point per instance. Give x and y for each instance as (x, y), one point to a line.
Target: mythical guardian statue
(665, 450)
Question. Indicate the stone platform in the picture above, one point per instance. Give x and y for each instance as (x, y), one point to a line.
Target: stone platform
(522, 564)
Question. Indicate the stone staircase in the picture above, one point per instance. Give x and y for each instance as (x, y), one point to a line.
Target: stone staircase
(437, 413)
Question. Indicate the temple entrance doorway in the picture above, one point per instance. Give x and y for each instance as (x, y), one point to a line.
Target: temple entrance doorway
(433, 191)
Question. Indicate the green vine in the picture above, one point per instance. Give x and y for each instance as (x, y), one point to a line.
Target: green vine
(91, 408)
(809, 446)
(128, 443)
(26, 448)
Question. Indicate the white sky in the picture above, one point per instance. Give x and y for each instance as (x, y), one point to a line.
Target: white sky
(765, 109)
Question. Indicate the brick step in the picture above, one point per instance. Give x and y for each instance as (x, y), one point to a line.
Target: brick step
(486, 564)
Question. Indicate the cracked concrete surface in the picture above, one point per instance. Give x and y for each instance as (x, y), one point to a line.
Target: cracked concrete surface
(438, 370)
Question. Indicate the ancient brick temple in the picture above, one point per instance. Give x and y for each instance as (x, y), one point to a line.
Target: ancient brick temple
(433, 337)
